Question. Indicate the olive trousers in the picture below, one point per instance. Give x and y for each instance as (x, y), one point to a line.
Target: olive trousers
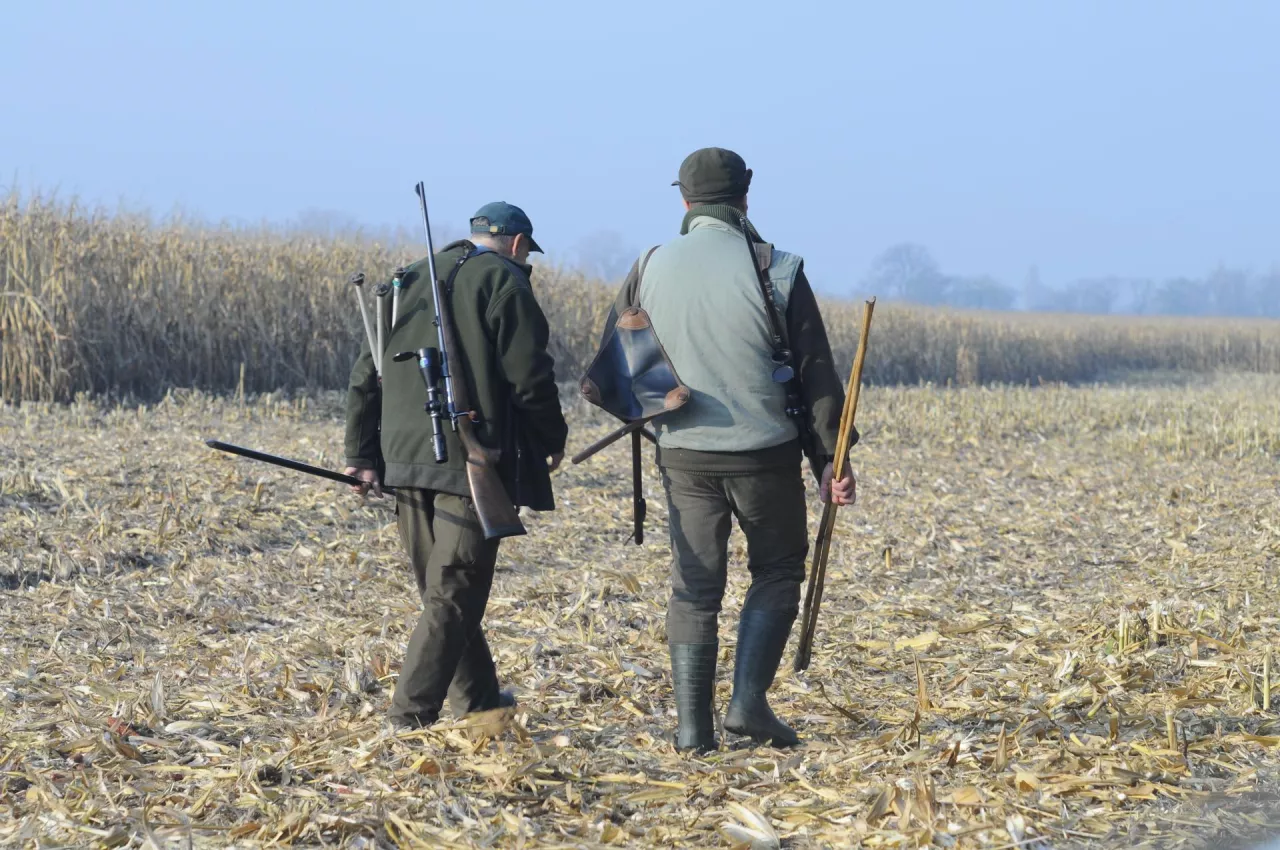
(453, 564)
(770, 509)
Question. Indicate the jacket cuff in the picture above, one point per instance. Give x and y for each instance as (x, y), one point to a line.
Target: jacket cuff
(821, 455)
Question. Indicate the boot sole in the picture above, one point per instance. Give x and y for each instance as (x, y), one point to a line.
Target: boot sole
(766, 740)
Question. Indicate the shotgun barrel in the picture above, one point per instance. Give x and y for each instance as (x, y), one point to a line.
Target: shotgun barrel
(295, 465)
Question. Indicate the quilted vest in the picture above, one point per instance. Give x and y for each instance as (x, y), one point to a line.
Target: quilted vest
(707, 308)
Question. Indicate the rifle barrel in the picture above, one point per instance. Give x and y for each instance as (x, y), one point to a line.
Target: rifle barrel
(499, 517)
(446, 366)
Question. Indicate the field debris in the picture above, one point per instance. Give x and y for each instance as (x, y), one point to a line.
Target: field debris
(1049, 622)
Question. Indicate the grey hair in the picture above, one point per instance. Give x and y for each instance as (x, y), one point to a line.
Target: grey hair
(500, 242)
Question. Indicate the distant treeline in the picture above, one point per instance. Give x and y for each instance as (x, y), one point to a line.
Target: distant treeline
(910, 273)
(111, 304)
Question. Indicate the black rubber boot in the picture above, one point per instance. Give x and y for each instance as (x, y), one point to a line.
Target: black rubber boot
(762, 636)
(693, 677)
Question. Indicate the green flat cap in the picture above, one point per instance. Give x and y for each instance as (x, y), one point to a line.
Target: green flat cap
(503, 219)
(713, 175)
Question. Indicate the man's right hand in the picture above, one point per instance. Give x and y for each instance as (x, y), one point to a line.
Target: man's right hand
(368, 481)
(842, 492)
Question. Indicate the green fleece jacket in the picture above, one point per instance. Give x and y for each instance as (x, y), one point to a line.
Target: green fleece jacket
(502, 335)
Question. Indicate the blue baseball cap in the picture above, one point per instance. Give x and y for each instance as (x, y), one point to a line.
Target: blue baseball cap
(503, 219)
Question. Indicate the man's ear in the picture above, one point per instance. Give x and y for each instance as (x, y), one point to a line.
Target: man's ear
(687, 206)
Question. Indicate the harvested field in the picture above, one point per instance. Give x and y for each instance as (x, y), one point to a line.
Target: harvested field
(1048, 623)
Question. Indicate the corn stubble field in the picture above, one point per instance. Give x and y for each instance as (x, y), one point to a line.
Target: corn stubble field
(1048, 621)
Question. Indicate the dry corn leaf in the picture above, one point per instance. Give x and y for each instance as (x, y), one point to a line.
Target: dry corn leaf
(754, 830)
(969, 795)
(919, 642)
(1264, 740)
(1025, 782)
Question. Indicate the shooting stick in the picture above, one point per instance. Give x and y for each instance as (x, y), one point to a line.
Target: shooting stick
(821, 546)
(380, 318)
(357, 280)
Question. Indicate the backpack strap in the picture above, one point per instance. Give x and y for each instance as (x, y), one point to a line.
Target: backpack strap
(764, 256)
(641, 264)
(644, 261)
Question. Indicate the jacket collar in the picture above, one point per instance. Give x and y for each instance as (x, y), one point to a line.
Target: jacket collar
(729, 215)
(471, 249)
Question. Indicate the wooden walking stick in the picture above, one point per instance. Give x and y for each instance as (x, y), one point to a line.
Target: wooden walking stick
(821, 546)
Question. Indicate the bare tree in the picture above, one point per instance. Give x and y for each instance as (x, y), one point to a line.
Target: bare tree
(606, 255)
(908, 272)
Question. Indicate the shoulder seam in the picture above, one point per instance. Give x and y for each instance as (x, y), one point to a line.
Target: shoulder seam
(504, 294)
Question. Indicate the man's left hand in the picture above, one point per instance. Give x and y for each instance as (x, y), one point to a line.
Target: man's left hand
(553, 462)
(842, 492)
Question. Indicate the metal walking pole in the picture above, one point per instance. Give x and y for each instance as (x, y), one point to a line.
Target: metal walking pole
(357, 280)
(639, 507)
(397, 283)
(381, 292)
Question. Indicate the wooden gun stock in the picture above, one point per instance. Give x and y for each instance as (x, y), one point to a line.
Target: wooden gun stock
(498, 516)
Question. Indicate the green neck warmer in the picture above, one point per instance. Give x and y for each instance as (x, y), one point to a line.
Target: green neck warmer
(722, 212)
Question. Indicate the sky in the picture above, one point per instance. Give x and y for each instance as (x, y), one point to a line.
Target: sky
(1083, 138)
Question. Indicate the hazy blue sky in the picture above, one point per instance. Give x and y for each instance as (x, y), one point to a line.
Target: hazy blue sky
(1084, 137)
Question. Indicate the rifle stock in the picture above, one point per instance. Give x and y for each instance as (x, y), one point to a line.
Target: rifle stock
(498, 516)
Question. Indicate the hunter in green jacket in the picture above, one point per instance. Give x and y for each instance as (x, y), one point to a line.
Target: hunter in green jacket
(501, 334)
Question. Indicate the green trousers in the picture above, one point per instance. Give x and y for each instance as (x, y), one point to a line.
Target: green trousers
(453, 564)
(770, 509)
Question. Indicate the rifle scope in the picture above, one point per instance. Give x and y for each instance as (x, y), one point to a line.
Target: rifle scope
(429, 368)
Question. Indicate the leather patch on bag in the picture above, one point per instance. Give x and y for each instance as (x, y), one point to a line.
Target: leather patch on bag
(633, 319)
(631, 376)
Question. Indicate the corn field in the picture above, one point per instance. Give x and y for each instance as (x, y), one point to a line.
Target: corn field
(115, 305)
